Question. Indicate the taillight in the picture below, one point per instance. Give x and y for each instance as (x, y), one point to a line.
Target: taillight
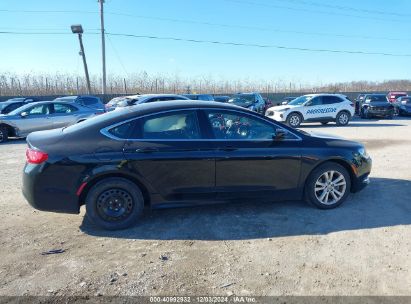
(35, 156)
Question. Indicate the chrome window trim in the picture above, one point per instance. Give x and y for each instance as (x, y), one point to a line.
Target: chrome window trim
(105, 131)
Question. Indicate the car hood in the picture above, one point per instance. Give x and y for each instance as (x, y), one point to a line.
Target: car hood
(335, 141)
(380, 104)
(282, 107)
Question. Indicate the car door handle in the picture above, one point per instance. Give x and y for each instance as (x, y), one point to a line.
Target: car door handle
(147, 150)
(228, 148)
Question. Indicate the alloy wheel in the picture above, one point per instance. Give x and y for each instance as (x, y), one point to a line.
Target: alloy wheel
(330, 187)
(343, 119)
(294, 120)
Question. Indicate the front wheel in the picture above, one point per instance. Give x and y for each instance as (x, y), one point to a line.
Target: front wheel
(343, 118)
(294, 120)
(4, 134)
(328, 186)
(114, 203)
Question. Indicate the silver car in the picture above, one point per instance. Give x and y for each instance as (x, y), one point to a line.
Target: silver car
(42, 115)
(139, 99)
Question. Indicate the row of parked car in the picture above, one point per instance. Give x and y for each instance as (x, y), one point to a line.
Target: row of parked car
(21, 116)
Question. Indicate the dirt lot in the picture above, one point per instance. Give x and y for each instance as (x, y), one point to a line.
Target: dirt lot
(361, 248)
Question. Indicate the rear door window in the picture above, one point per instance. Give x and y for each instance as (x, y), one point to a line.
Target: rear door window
(327, 100)
(64, 108)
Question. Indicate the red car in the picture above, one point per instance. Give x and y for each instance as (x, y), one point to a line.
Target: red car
(392, 96)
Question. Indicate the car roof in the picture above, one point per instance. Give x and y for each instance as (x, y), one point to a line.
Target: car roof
(326, 94)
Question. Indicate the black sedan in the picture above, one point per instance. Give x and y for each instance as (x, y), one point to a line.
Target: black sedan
(181, 153)
(376, 105)
(403, 106)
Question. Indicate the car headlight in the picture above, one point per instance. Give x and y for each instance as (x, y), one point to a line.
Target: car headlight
(363, 152)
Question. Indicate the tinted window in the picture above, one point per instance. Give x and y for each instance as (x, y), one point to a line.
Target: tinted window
(39, 110)
(237, 126)
(317, 101)
(62, 108)
(87, 101)
(330, 100)
(125, 130)
(12, 107)
(182, 125)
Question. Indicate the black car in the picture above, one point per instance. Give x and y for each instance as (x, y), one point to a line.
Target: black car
(221, 98)
(206, 97)
(376, 105)
(12, 104)
(181, 153)
(251, 101)
(403, 106)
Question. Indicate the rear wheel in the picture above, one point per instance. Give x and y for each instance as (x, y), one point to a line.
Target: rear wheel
(343, 118)
(294, 120)
(4, 134)
(328, 186)
(114, 203)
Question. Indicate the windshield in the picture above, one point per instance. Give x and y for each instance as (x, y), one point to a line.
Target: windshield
(301, 100)
(376, 98)
(242, 99)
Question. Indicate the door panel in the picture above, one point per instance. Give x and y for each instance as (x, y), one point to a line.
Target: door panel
(169, 151)
(249, 163)
(36, 120)
(63, 115)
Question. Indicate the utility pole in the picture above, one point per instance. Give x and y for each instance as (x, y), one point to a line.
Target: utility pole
(103, 44)
(78, 29)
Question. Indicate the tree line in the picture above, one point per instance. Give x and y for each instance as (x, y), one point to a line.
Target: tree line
(32, 84)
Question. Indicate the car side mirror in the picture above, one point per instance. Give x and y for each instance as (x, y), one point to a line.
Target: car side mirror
(24, 114)
(279, 134)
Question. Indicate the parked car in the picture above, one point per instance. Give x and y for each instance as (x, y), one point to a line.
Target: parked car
(22, 99)
(376, 105)
(85, 100)
(170, 153)
(146, 98)
(221, 98)
(322, 108)
(206, 97)
(13, 104)
(403, 106)
(392, 96)
(286, 100)
(113, 103)
(251, 101)
(42, 116)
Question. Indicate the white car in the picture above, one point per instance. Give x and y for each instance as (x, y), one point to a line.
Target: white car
(314, 108)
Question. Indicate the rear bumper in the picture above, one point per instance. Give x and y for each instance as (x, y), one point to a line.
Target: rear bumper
(45, 194)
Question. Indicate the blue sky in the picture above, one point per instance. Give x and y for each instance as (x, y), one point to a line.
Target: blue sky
(314, 24)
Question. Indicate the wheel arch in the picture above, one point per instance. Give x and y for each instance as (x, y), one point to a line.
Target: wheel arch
(11, 131)
(296, 112)
(133, 179)
(345, 164)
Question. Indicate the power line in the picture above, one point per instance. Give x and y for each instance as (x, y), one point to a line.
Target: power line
(348, 8)
(260, 45)
(223, 43)
(253, 28)
(314, 11)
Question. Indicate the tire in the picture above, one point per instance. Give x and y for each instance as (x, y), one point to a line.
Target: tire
(294, 120)
(114, 203)
(324, 123)
(4, 134)
(343, 118)
(332, 195)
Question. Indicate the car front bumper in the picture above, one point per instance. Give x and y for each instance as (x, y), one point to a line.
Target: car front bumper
(278, 116)
(380, 112)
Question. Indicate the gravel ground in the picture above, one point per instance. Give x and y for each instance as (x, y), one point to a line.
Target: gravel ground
(361, 248)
